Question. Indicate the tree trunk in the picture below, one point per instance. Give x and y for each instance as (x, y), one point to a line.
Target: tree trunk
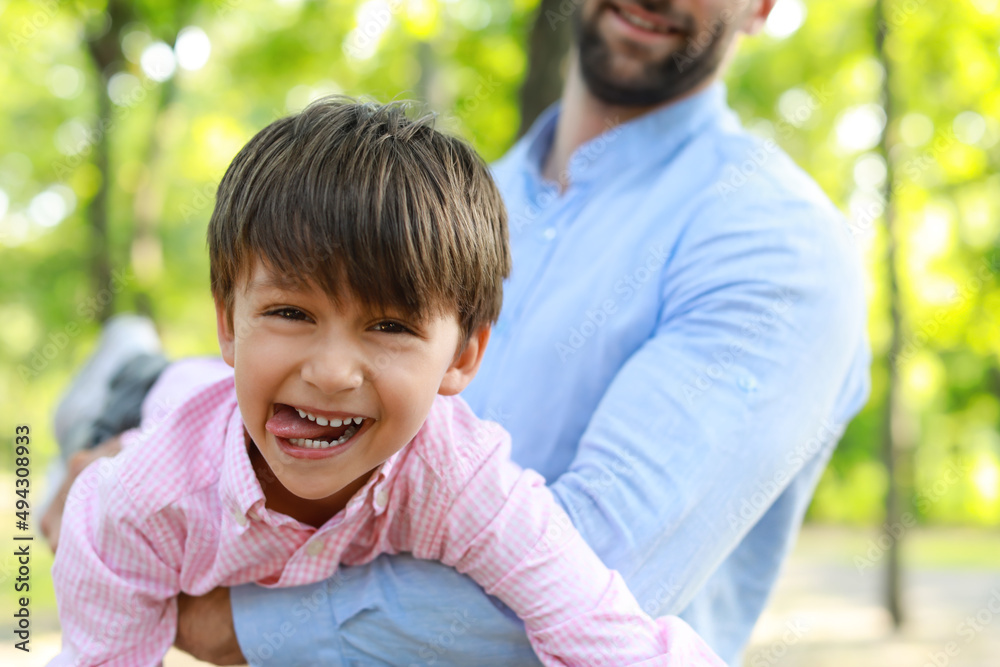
(547, 48)
(100, 252)
(893, 430)
(104, 49)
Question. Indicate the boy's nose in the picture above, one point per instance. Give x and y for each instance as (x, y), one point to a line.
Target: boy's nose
(333, 368)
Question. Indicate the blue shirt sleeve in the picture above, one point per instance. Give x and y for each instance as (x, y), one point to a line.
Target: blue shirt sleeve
(740, 390)
(396, 610)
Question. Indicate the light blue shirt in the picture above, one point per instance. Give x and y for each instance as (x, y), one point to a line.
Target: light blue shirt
(681, 345)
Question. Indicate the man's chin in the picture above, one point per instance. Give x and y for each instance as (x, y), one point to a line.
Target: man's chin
(625, 79)
(619, 91)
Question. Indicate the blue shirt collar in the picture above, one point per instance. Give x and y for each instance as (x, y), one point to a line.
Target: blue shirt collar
(652, 135)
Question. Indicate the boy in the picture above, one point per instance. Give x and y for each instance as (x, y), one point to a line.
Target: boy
(357, 261)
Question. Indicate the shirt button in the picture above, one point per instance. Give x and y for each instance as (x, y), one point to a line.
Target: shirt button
(314, 548)
(240, 518)
(549, 233)
(381, 498)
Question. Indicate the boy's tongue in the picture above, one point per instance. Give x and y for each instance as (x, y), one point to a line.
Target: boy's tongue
(287, 423)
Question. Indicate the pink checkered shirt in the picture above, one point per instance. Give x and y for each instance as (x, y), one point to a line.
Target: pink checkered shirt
(178, 512)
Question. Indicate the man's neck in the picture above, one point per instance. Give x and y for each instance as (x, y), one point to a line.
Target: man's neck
(583, 117)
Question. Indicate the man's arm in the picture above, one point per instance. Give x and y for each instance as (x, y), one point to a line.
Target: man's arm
(761, 330)
(396, 610)
(205, 628)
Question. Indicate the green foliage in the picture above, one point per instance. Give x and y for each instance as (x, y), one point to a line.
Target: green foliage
(816, 91)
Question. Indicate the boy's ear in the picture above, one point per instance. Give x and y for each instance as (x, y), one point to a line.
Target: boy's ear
(227, 339)
(466, 363)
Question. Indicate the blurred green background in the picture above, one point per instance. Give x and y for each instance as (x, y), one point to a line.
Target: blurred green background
(118, 119)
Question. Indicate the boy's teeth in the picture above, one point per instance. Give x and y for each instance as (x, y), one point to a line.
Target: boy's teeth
(323, 421)
(323, 444)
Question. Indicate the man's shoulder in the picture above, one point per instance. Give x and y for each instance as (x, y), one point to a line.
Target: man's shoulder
(181, 452)
(749, 189)
(742, 167)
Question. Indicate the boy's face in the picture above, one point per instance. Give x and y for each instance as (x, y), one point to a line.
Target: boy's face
(296, 351)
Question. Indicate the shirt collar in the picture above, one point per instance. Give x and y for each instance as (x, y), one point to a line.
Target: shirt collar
(243, 496)
(651, 135)
(238, 482)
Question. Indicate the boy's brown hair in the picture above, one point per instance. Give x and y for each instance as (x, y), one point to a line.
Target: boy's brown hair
(358, 196)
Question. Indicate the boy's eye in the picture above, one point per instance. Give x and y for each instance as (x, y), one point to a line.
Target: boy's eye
(388, 326)
(287, 313)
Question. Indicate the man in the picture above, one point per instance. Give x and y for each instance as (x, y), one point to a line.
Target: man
(679, 350)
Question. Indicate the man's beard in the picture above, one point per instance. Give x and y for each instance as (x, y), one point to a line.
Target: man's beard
(677, 73)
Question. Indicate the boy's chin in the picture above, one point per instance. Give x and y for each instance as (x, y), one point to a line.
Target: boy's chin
(304, 492)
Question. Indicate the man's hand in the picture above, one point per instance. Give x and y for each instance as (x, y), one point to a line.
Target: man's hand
(205, 628)
(52, 519)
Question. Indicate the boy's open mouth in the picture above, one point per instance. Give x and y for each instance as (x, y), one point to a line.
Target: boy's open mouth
(304, 429)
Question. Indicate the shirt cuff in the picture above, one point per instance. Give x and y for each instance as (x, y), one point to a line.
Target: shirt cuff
(275, 625)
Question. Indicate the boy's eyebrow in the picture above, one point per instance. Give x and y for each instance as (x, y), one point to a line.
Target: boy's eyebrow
(277, 282)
